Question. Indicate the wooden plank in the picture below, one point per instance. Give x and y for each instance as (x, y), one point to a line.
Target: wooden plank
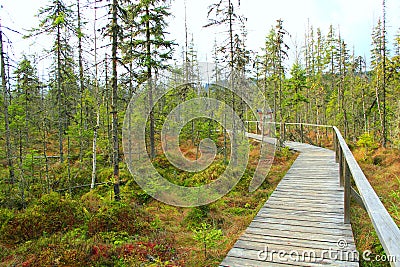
(266, 239)
(306, 209)
(287, 216)
(305, 244)
(317, 224)
(300, 213)
(301, 236)
(301, 228)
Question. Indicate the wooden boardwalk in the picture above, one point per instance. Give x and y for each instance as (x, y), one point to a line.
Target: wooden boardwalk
(301, 224)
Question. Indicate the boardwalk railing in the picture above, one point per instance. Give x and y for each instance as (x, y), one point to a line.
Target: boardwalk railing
(385, 227)
(387, 230)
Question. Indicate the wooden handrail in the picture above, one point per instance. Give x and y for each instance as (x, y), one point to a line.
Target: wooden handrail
(385, 227)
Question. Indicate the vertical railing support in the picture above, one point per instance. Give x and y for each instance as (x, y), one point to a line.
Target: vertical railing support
(284, 132)
(341, 160)
(302, 132)
(335, 146)
(347, 187)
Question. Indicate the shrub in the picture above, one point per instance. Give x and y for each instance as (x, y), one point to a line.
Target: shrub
(119, 217)
(366, 140)
(196, 216)
(367, 143)
(52, 214)
(207, 236)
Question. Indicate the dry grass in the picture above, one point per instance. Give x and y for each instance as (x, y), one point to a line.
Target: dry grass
(382, 169)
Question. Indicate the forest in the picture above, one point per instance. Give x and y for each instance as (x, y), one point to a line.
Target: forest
(67, 197)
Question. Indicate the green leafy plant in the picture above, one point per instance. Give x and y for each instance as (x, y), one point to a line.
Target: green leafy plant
(207, 236)
(367, 143)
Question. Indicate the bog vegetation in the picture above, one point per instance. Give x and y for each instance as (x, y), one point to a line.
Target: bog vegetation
(66, 196)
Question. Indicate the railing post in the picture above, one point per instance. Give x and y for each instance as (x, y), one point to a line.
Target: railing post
(341, 159)
(347, 187)
(336, 145)
(302, 132)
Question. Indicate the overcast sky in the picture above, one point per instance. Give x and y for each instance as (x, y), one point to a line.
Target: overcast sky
(355, 18)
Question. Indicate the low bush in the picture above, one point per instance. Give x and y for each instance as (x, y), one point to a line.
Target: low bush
(50, 215)
(119, 217)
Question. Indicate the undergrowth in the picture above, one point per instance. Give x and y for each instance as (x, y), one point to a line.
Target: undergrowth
(91, 229)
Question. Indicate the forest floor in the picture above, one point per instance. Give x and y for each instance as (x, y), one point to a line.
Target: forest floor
(93, 230)
(90, 229)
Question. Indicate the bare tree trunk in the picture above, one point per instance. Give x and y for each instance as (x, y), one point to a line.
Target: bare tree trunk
(96, 93)
(81, 82)
(59, 92)
(46, 161)
(232, 66)
(106, 97)
(6, 115)
(114, 100)
(384, 130)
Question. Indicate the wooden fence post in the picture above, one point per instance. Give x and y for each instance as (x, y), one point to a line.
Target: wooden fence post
(284, 132)
(302, 133)
(341, 167)
(347, 192)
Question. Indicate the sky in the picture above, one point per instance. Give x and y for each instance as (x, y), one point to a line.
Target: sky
(354, 18)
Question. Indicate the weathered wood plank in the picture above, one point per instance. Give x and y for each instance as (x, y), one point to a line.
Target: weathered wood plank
(266, 239)
(302, 228)
(303, 236)
(317, 223)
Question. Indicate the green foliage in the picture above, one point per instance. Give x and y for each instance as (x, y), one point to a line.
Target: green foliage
(367, 143)
(119, 217)
(5, 216)
(50, 215)
(366, 140)
(239, 211)
(284, 152)
(196, 216)
(115, 238)
(207, 236)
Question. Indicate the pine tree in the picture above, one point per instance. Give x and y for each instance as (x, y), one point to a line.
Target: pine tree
(56, 20)
(151, 50)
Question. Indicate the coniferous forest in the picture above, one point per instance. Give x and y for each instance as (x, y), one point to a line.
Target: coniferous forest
(67, 197)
